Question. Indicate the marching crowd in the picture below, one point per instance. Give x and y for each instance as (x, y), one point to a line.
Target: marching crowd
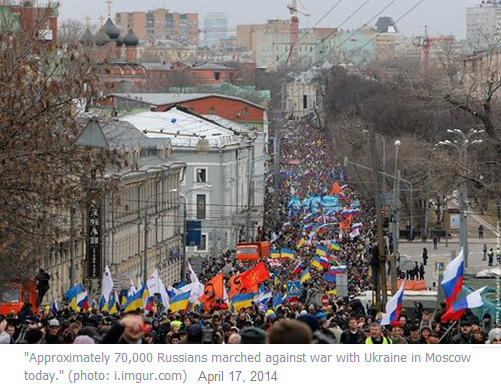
(308, 169)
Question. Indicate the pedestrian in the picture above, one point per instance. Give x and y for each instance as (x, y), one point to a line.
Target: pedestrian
(42, 279)
(421, 272)
(435, 242)
(425, 256)
(480, 232)
(490, 256)
(484, 253)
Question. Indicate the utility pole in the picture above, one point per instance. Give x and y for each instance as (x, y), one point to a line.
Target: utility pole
(396, 198)
(380, 239)
(73, 213)
(185, 261)
(145, 258)
(463, 227)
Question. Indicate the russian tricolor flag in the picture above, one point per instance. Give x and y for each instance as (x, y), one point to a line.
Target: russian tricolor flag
(458, 308)
(298, 269)
(453, 279)
(393, 307)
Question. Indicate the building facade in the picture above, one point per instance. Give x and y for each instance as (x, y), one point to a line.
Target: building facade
(215, 28)
(162, 24)
(223, 186)
(483, 24)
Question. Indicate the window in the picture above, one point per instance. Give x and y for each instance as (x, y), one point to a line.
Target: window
(201, 175)
(212, 111)
(217, 76)
(203, 243)
(246, 111)
(201, 206)
(305, 101)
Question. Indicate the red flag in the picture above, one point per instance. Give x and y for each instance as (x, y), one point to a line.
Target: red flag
(255, 276)
(214, 290)
(335, 189)
(236, 286)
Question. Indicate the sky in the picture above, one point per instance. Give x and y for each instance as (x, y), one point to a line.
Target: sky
(442, 16)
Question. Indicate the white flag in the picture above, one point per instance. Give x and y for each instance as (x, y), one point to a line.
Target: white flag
(132, 288)
(156, 286)
(107, 284)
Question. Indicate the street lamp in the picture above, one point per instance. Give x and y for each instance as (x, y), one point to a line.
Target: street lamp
(461, 147)
(396, 185)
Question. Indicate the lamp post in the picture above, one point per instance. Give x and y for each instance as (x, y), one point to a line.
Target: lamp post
(396, 197)
(461, 147)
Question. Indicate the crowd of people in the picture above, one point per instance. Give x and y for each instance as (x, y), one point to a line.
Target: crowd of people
(308, 170)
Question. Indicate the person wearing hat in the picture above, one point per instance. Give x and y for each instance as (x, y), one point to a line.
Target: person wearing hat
(464, 336)
(414, 336)
(253, 335)
(53, 332)
(494, 336)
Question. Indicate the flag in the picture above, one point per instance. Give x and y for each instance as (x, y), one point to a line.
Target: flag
(255, 276)
(106, 288)
(354, 233)
(331, 278)
(156, 286)
(135, 301)
(338, 269)
(346, 224)
(274, 263)
(335, 246)
(320, 263)
(294, 288)
(263, 297)
(71, 296)
(83, 300)
(323, 228)
(457, 309)
(335, 190)
(308, 228)
(213, 291)
(180, 302)
(241, 301)
(132, 289)
(298, 269)
(113, 304)
(54, 307)
(393, 307)
(321, 251)
(453, 279)
(308, 218)
(277, 300)
(301, 243)
(275, 254)
(333, 259)
(196, 288)
(305, 275)
(287, 253)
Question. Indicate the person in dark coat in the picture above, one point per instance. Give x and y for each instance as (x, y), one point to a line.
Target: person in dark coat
(42, 279)
(425, 256)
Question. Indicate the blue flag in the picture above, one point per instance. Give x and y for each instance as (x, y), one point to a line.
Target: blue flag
(293, 289)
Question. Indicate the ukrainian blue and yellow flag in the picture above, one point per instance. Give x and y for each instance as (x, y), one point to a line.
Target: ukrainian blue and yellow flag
(287, 253)
(301, 243)
(72, 294)
(180, 302)
(113, 304)
(335, 245)
(136, 301)
(275, 254)
(321, 251)
(305, 275)
(241, 301)
(316, 263)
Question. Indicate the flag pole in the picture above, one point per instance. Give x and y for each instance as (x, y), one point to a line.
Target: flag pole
(448, 330)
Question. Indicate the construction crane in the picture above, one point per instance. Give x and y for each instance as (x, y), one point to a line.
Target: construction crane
(429, 41)
(294, 11)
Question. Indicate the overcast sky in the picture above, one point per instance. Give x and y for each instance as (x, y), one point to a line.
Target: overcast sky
(443, 16)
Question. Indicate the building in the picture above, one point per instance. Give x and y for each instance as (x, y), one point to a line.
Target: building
(303, 98)
(223, 186)
(235, 109)
(245, 33)
(481, 74)
(26, 16)
(141, 218)
(483, 24)
(215, 28)
(162, 24)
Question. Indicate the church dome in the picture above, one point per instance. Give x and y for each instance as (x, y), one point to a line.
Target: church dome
(131, 38)
(111, 29)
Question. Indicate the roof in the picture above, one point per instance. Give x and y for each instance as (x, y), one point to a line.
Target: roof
(385, 24)
(183, 129)
(164, 99)
(237, 127)
(156, 66)
(212, 66)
